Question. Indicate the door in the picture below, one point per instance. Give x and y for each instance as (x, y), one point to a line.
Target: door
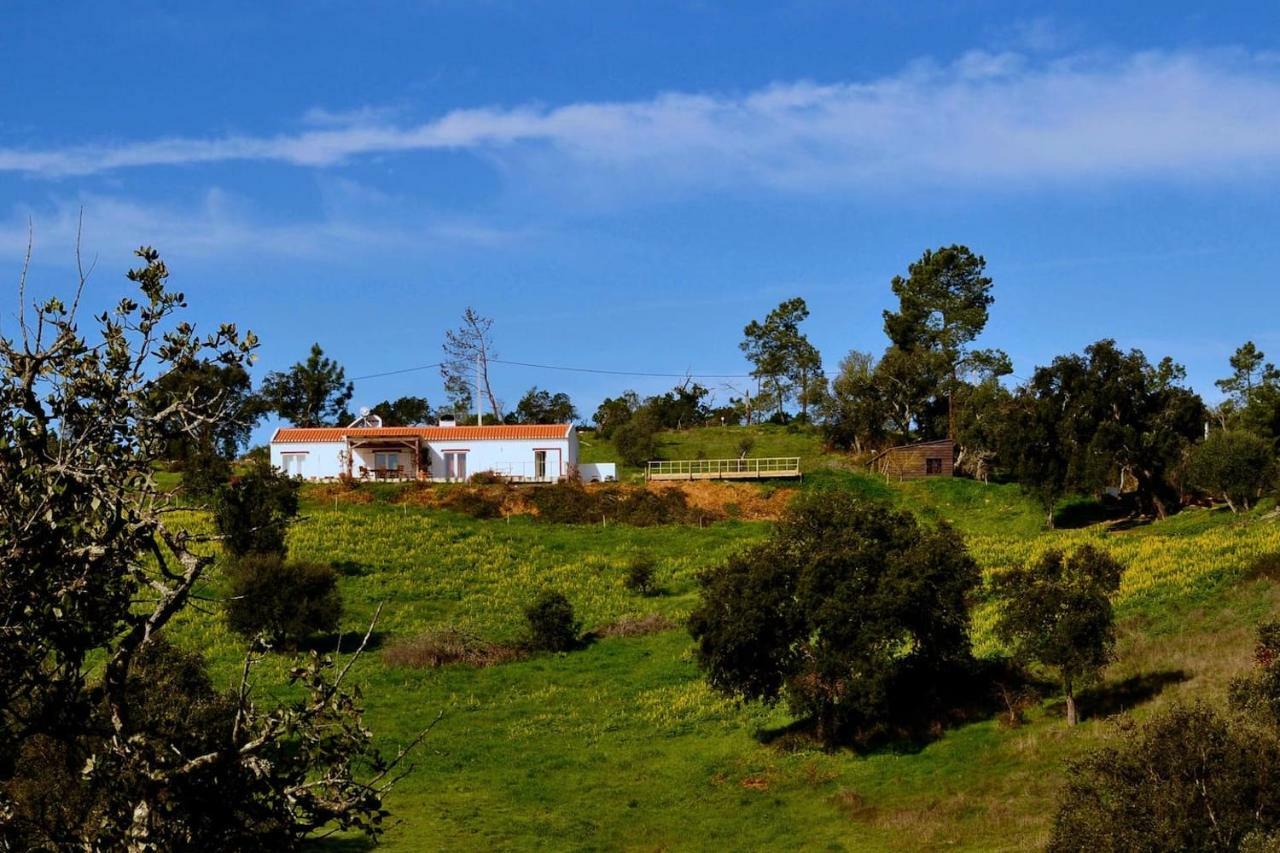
(540, 464)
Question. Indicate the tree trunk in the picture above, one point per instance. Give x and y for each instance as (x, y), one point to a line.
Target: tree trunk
(827, 726)
(1073, 716)
(951, 404)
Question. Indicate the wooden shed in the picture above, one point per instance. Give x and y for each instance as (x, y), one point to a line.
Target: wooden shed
(914, 461)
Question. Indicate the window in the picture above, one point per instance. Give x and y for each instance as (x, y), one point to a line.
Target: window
(933, 465)
(455, 465)
(292, 463)
(386, 461)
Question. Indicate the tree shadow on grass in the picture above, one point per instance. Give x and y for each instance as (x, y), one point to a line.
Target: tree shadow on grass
(352, 568)
(926, 706)
(345, 642)
(1106, 700)
(339, 845)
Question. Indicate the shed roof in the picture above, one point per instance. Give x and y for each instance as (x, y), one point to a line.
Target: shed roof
(498, 432)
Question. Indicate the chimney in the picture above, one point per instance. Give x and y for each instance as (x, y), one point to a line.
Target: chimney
(447, 421)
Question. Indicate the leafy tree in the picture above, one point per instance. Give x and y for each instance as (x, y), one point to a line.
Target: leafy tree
(847, 610)
(1104, 417)
(942, 307)
(539, 406)
(403, 411)
(854, 415)
(1057, 612)
(642, 575)
(286, 602)
(1190, 779)
(215, 386)
(614, 412)
(1232, 465)
(980, 411)
(253, 512)
(782, 356)
(465, 370)
(637, 439)
(93, 566)
(681, 407)
(552, 625)
(1254, 393)
(312, 393)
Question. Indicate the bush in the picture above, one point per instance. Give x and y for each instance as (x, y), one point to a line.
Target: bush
(1190, 779)
(253, 511)
(642, 575)
(552, 626)
(573, 503)
(446, 646)
(473, 502)
(636, 440)
(1232, 466)
(286, 601)
(486, 478)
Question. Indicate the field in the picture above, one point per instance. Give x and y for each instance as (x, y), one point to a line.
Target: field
(620, 746)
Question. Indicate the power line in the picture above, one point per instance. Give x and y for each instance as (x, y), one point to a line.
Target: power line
(690, 374)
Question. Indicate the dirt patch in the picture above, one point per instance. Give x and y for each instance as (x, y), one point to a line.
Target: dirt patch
(342, 493)
(732, 500)
(488, 501)
(446, 646)
(636, 626)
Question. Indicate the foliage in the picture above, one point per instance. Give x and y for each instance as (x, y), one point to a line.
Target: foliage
(781, 354)
(613, 412)
(447, 646)
(94, 564)
(253, 512)
(1253, 403)
(465, 369)
(1105, 417)
(403, 411)
(539, 406)
(1188, 780)
(642, 575)
(574, 503)
(204, 454)
(844, 605)
(636, 439)
(681, 407)
(285, 601)
(552, 625)
(1234, 466)
(1057, 612)
(312, 393)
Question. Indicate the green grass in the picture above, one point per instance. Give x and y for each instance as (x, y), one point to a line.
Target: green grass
(770, 440)
(621, 746)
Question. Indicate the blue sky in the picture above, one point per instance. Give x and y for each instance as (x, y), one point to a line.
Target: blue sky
(625, 185)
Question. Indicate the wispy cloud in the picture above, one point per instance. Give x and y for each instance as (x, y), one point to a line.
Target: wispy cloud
(219, 222)
(1009, 118)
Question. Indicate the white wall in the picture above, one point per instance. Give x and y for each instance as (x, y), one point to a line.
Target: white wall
(321, 460)
(506, 457)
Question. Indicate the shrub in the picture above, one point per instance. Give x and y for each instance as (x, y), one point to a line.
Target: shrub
(552, 626)
(253, 511)
(641, 575)
(486, 478)
(445, 646)
(286, 601)
(1232, 466)
(636, 440)
(573, 503)
(565, 503)
(1190, 779)
(636, 626)
(473, 502)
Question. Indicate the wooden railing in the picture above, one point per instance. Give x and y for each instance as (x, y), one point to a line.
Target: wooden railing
(726, 469)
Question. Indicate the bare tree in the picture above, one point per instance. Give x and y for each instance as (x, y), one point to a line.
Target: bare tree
(468, 351)
(95, 562)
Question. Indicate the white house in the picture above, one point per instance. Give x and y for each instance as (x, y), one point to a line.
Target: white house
(537, 453)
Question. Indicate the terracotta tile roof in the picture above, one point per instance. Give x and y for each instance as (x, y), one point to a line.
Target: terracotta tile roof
(510, 432)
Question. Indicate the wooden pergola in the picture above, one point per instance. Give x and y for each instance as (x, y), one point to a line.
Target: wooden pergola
(384, 443)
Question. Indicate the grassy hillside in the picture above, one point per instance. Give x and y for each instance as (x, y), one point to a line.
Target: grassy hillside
(622, 746)
(722, 443)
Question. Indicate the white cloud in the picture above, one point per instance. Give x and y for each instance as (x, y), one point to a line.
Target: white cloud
(218, 223)
(1003, 119)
